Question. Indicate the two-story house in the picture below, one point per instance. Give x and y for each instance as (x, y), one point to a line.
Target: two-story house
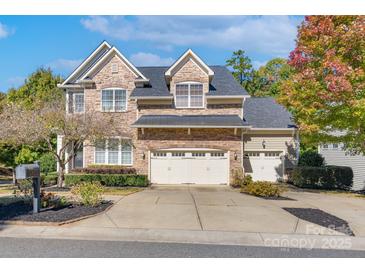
(188, 123)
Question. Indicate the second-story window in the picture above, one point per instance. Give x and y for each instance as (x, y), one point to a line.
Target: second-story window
(78, 100)
(114, 100)
(189, 95)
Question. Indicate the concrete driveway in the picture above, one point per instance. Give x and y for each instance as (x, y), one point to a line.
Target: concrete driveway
(214, 208)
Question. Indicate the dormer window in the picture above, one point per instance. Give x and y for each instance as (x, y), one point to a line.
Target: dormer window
(189, 95)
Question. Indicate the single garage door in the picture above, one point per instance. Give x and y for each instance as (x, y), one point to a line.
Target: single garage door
(264, 166)
(189, 167)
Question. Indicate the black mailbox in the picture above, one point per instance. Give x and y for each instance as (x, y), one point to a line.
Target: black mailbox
(31, 171)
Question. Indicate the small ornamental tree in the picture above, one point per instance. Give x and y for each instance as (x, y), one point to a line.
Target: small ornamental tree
(326, 92)
(24, 126)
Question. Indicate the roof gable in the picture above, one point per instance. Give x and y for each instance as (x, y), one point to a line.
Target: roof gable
(115, 51)
(100, 51)
(189, 55)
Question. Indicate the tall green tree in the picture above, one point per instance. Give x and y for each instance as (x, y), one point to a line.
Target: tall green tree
(326, 92)
(242, 69)
(39, 87)
(272, 76)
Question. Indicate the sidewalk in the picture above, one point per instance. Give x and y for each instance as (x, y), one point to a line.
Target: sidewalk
(187, 236)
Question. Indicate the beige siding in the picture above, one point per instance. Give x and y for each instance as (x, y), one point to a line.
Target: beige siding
(283, 142)
(338, 157)
(272, 142)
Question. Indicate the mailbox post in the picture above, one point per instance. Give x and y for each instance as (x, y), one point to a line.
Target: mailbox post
(31, 171)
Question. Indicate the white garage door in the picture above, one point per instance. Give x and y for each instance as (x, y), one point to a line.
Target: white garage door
(264, 166)
(189, 167)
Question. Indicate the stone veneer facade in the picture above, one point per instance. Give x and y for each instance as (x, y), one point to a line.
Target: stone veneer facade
(154, 139)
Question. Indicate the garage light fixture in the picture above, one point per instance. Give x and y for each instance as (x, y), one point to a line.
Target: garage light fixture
(143, 156)
(263, 143)
(235, 156)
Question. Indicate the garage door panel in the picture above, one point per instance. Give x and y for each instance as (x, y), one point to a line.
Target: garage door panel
(193, 168)
(264, 166)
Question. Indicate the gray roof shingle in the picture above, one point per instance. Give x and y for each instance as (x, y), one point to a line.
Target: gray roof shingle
(264, 112)
(223, 121)
(223, 83)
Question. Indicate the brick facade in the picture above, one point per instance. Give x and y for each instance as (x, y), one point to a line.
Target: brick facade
(154, 139)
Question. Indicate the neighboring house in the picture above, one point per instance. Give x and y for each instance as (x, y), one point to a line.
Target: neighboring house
(187, 123)
(335, 154)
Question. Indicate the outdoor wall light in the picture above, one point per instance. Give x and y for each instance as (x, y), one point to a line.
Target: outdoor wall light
(263, 143)
(143, 156)
(235, 156)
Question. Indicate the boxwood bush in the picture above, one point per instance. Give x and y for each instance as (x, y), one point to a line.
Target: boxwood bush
(118, 180)
(327, 177)
(103, 169)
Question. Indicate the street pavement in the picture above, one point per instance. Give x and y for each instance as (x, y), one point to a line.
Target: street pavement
(51, 248)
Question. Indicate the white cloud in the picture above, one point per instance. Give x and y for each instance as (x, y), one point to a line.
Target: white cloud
(16, 81)
(257, 64)
(273, 35)
(5, 31)
(150, 59)
(66, 65)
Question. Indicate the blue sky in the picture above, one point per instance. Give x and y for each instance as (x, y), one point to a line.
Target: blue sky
(62, 42)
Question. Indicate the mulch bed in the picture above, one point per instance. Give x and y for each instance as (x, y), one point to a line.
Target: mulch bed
(21, 210)
(321, 218)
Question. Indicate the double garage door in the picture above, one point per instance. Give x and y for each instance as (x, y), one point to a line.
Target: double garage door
(189, 167)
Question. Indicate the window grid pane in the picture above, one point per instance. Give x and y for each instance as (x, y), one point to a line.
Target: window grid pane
(120, 100)
(107, 100)
(126, 155)
(79, 102)
(182, 95)
(113, 150)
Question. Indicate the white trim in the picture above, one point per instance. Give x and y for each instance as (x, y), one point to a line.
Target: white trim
(113, 88)
(130, 66)
(227, 96)
(73, 102)
(185, 126)
(104, 43)
(189, 149)
(151, 97)
(106, 153)
(278, 129)
(189, 52)
(189, 83)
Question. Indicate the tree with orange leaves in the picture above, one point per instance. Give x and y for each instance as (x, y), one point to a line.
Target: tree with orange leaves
(326, 92)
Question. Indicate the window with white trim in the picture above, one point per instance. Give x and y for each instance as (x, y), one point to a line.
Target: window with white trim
(189, 95)
(113, 100)
(78, 102)
(113, 152)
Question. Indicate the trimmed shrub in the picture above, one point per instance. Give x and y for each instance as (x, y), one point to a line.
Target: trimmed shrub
(89, 194)
(103, 169)
(247, 180)
(263, 189)
(49, 179)
(47, 163)
(118, 180)
(311, 158)
(327, 177)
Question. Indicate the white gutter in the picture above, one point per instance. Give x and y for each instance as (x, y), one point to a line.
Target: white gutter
(152, 97)
(275, 129)
(185, 126)
(227, 96)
